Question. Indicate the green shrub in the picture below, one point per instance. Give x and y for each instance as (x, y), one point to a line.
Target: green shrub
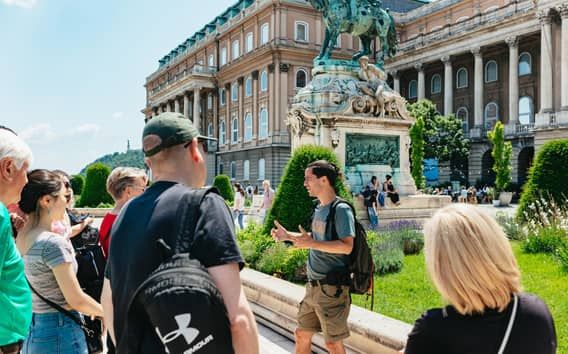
(513, 229)
(417, 153)
(387, 253)
(547, 178)
(253, 242)
(77, 184)
(105, 205)
(272, 259)
(545, 240)
(292, 205)
(562, 255)
(412, 241)
(501, 153)
(295, 264)
(95, 192)
(223, 184)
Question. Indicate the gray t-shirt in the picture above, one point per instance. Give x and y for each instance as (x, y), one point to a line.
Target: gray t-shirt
(320, 263)
(48, 251)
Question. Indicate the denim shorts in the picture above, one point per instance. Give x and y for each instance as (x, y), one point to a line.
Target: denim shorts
(55, 333)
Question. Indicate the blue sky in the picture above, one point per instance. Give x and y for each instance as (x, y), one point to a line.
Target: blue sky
(72, 71)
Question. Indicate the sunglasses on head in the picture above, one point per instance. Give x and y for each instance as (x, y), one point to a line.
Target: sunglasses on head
(203, 143)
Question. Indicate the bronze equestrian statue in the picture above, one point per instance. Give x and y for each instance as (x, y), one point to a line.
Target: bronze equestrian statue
(365, 19)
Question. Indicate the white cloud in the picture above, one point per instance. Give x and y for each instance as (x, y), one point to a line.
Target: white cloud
(26, 4)
(87, 128)
(39, 133)
(118, 115)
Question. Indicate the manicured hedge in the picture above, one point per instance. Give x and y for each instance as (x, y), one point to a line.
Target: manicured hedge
(95, 192)
(223, 184)
(77, 184)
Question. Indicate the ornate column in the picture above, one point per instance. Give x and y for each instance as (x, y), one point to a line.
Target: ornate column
(396, 80)
(168, 106)
(546, 61)
(176, 105)
(241, 111)
(255, 111)
(448, 86)
(421, 82)
(271, 98)
(196, 104)
(186, 105)
(478, 86)
(282, 92)
(563, 10)
(513, 43)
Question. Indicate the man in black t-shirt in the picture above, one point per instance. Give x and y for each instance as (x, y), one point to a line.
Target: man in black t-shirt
(174, 151)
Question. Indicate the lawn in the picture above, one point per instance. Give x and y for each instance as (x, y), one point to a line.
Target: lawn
(407, 294)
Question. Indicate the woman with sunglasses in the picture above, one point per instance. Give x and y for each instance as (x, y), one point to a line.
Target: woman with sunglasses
(63, 226)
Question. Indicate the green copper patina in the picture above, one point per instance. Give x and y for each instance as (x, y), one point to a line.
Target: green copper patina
(365, 19)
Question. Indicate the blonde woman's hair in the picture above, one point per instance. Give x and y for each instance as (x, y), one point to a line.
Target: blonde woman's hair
(122, 177)
(470, 259)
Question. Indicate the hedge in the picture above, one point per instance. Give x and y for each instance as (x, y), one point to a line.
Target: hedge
(95, 192)
(77, 184)
(223, 184)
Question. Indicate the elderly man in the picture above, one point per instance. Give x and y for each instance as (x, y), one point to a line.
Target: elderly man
(15, 295)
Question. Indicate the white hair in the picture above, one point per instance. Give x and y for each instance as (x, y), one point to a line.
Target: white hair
(13, 147)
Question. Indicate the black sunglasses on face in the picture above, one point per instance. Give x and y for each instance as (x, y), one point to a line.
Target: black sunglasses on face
(203, 143)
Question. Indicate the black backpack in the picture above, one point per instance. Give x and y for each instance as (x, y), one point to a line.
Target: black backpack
(361, 267)
(179, 299)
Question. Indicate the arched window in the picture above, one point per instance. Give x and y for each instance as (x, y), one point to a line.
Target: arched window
(236, 50)
(461, 78)
(490, 115)
(263, 124)
(248, 127)
(222, 94)
(210, 130)
(264, 81)
(248, 87)
(246, 170)
(412, 89)
(463, 115)
(235, 130)
(223, 58)
(222, 132)
(250, 42)
(264, 34)
(235, 91)
(301, 33)
(436, 84)
(211, 62)
(301, 78)
(233, 170)
(491, 71)
(261, 166)
(526, 110)
(525, 64)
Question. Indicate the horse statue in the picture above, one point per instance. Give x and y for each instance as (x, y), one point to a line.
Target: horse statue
(365, 19)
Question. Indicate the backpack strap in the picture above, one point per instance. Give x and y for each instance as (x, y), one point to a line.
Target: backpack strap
(330, 222)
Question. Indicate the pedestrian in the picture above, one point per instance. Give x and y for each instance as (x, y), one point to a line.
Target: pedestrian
(390, 191)
(123, 184)
(372, 209)
(15, 295)
(239, 205)
(267, 199)
(472, 265)
(65, 227)
(327, 301)
(50, 268)
(175, 153)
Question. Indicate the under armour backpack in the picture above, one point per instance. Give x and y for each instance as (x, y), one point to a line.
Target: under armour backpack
(361, 267)
(180, 299)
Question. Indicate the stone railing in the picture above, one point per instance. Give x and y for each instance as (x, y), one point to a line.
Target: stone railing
(511, 130)
(197, 69)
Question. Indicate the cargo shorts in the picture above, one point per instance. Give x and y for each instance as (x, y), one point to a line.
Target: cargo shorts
(324, 310)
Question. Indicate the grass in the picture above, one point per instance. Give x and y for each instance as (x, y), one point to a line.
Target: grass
(407, 294)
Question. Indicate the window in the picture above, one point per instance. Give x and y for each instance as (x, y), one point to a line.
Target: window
(210, 130)
(338, 42)
(526, 110)
(246, 170)
(301, 34)
(250, 42)
(233, 170)
(525, 61)
(222, 133)
(222, 94)
(235, 131)
(263, 124)
(491, 71)
(264, 81)
(264, 32)
(301, 78)
(235, 91)
(236, 50)
(221, 168)
(211, 62)
(223, 56)
(248, 87)
(436, 84)
(491, 112)
(261, 166)
(461, 78)
(463, 115)
(412, 89)
(248, 127)
(209, 101)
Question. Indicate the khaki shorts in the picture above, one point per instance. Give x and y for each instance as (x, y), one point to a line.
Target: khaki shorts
(321, 311)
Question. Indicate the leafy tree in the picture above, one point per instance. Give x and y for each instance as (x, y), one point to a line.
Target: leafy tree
(502, 152)
(417, 153)
(443, 137)
(95, 192)
(131, 158)
(223, 184)
(292, 205)
(77, 184)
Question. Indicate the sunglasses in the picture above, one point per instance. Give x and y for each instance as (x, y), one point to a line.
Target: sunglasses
(67, 185)
(203, 143)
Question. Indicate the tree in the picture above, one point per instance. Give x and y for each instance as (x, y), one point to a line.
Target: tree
(444, 138)
(223, 184)
(292, 205)
(417, 153)
(502, 152)
(77, 184)
(95, 191)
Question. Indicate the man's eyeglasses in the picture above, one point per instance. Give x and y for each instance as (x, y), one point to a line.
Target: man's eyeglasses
(203, 142)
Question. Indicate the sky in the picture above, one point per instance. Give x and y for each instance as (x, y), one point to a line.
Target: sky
(72, 72)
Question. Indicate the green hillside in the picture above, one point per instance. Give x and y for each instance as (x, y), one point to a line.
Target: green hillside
(131, 158)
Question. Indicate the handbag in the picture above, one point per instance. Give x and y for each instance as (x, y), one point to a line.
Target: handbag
(510, 325)
(92, 336)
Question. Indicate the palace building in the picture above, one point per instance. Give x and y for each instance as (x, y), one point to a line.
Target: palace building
(483, 60)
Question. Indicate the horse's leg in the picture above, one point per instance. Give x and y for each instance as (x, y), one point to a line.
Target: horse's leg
(365, 47)
(324, 47)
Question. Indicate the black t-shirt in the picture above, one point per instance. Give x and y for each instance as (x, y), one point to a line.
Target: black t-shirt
(445, 331)
(134, 254)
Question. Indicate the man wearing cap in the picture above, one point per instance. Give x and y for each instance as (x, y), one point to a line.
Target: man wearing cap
(175, 152)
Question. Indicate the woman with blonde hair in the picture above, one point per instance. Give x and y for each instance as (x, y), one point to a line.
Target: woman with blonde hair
(472, 265)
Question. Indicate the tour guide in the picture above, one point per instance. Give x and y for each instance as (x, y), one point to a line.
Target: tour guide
(326, 304)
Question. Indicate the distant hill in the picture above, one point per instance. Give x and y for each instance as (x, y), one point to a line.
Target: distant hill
(131, 158)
